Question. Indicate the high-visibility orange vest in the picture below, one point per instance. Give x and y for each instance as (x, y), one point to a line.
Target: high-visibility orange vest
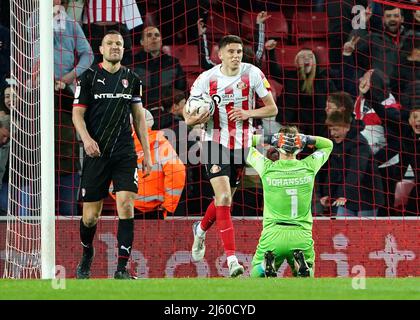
(164, 186)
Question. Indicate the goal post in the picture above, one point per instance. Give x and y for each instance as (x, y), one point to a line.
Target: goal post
(47, 140)
(30, 237)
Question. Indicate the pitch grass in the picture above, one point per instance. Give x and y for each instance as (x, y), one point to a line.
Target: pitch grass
(212, 289)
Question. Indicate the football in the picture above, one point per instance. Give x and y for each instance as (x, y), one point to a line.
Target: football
(200, 104)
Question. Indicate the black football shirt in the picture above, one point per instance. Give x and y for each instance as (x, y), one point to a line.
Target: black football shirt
(107, 98)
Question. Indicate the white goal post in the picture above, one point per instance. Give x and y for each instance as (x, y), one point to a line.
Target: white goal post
(30, 238)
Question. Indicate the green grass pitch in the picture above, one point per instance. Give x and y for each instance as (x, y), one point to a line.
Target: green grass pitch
(212, 289)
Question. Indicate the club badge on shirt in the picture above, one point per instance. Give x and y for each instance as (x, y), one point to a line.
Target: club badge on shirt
(241, 85)
(124, 83)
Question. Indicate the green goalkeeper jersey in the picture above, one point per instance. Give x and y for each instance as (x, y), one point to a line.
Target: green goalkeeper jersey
(288, 184)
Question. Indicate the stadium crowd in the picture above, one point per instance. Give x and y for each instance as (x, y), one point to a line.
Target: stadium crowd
(333, 73)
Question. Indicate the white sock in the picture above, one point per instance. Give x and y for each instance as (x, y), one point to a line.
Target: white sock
(200, 232)
(230, 259)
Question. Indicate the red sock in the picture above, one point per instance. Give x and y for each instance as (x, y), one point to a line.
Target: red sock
(225, 226)
(209, 217)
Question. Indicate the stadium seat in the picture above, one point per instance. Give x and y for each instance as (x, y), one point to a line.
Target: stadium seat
(276, 88)
(309, 25)
(220, 24)
(402, 191)
(286, 56)
(276, 26)
(187, 55)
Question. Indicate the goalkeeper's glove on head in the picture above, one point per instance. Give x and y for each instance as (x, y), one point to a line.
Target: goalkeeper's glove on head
(289, 143)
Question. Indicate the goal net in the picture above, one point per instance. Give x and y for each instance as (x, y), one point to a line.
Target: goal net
(23, 252)
(299, 46)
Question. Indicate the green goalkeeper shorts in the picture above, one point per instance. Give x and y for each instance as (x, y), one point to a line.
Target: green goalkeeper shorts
(283, 241)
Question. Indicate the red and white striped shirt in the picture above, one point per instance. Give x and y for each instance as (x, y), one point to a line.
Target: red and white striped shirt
(228, 92)
(121, 11)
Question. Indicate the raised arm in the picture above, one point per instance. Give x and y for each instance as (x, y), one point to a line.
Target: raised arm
(206, 62)
(274, 68)
(259, 33)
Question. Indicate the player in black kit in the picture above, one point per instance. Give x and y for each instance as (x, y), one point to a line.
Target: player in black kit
(105, 96)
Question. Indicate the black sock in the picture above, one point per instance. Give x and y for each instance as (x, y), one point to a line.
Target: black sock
(86, 236)
(125, 241)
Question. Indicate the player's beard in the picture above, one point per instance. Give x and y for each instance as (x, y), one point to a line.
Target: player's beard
(393, 29)
(114, 59)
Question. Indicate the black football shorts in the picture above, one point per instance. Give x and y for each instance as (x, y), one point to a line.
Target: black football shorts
(97, 174)
(221, 161)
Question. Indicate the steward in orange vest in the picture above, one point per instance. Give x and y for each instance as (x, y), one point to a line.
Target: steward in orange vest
(162, 189)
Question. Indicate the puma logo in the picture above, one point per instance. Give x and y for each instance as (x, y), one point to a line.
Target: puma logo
(101, 81)
(85, 245)
(124, 248)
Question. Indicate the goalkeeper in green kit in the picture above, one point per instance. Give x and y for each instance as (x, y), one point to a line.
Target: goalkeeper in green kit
(287, 218)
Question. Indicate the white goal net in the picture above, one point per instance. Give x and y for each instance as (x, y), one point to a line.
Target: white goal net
(23, 239)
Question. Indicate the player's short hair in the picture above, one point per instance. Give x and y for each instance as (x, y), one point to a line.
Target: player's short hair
(171, 97)
(289, 130)
(342, 100)
(228, 39)
(112, 32)
(338, 118)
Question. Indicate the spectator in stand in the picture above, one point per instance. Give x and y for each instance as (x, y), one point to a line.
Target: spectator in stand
(8, 95)
(410, 70)
(5, 104)
(305, 90)
(367, 124)
(4, 162)
(377, 50)
(157, 70)
(340, 101)
(172, 104)
(171, 120)
(250, 57)
(72, 56)
(4, 54)
(74, 10)
(159, 193)
(411, 156)
(374, 86)
(72, 52)
(100, 16)
(178, 18)
(413, 20)
(339, 27)
(67, 162)
(351, 182)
